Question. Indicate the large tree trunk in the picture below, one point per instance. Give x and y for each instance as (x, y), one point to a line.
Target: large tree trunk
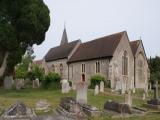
(4, 64)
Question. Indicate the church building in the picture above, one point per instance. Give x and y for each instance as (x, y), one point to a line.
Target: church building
(122, 62)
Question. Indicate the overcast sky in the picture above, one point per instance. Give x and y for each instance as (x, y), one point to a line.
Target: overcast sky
(90, 19)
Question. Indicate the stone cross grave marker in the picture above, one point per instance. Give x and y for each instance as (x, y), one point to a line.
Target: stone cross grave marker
(96, 91)
(101, 86)
(81, 96)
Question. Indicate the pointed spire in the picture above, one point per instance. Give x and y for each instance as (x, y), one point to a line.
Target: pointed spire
(64, 39)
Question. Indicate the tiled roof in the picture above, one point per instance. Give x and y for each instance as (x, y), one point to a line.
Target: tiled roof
(98, 48)
(60, 52)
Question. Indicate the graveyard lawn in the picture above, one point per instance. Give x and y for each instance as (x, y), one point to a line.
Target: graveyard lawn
(31, 96)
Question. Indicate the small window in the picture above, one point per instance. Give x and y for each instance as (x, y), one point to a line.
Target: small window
(97, 67)
(83, 68)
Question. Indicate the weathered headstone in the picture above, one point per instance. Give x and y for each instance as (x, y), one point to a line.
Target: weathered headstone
(150, 86)
(81, 95)
(117, 107)
(156, 90)
(128, 98)
(134, 90)
(43, 105)
(18, 111)
(144, 96)
(91, 111)
(8, 82)
(65, 86)
(96, 91)
(70, 109)
(35, 83)
(101, 86)
(19, 84)
(155, 102)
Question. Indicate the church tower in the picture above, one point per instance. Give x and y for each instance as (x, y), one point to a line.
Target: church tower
(64, 39)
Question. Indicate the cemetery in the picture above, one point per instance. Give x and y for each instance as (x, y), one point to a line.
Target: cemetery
(104, 78)
(81, 103)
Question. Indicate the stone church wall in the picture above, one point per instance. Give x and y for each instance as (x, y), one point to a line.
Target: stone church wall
(75, 70)
(56, 64)
(140, 55)
(115, 67)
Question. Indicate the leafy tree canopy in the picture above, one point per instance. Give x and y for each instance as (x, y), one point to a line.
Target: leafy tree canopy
(154, 65)
(21, 70)
(22, 23)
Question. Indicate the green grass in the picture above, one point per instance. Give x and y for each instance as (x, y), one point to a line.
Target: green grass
(31, 96)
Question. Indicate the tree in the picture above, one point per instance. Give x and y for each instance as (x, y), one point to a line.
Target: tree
(21, 70)
(22, 24)
(37, 72)
(154, 66)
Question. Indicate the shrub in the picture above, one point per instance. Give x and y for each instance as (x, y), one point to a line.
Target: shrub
(52, 80)
(96, 79)
(37, 72)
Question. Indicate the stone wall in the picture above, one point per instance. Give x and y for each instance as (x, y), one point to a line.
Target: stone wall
(75, 70)
(141, 82)
(56, 64)
(115, 66)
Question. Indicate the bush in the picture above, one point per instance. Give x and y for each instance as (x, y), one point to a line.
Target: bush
(52, 80)
(96, 79)
(37, 72)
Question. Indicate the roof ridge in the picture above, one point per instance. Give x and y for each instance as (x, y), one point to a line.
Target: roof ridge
(105, 36)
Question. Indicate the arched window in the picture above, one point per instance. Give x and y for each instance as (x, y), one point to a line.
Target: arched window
(140, 69)
(125, 63)
(53, 68)
(61, 69)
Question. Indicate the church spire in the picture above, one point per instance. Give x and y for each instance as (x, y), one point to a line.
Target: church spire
(64, 39)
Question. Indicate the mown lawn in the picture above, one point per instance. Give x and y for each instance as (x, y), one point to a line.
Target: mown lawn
(31, 96)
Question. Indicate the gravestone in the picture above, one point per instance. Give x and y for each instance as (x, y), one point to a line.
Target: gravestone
(134, 90)
(43, 105)
(18, 111)
(128, 98)
(155, 102)
(19, 84)
(101, 86)
(156, 90)
(81, 95)
(8, 82)
(144, 96)
(118, 85)
(65, 86)
(117, 107)
(91, 111)
(35, 83)
(96, 91)
(70, 109)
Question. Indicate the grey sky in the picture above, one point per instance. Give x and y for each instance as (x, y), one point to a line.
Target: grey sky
(89, 19)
